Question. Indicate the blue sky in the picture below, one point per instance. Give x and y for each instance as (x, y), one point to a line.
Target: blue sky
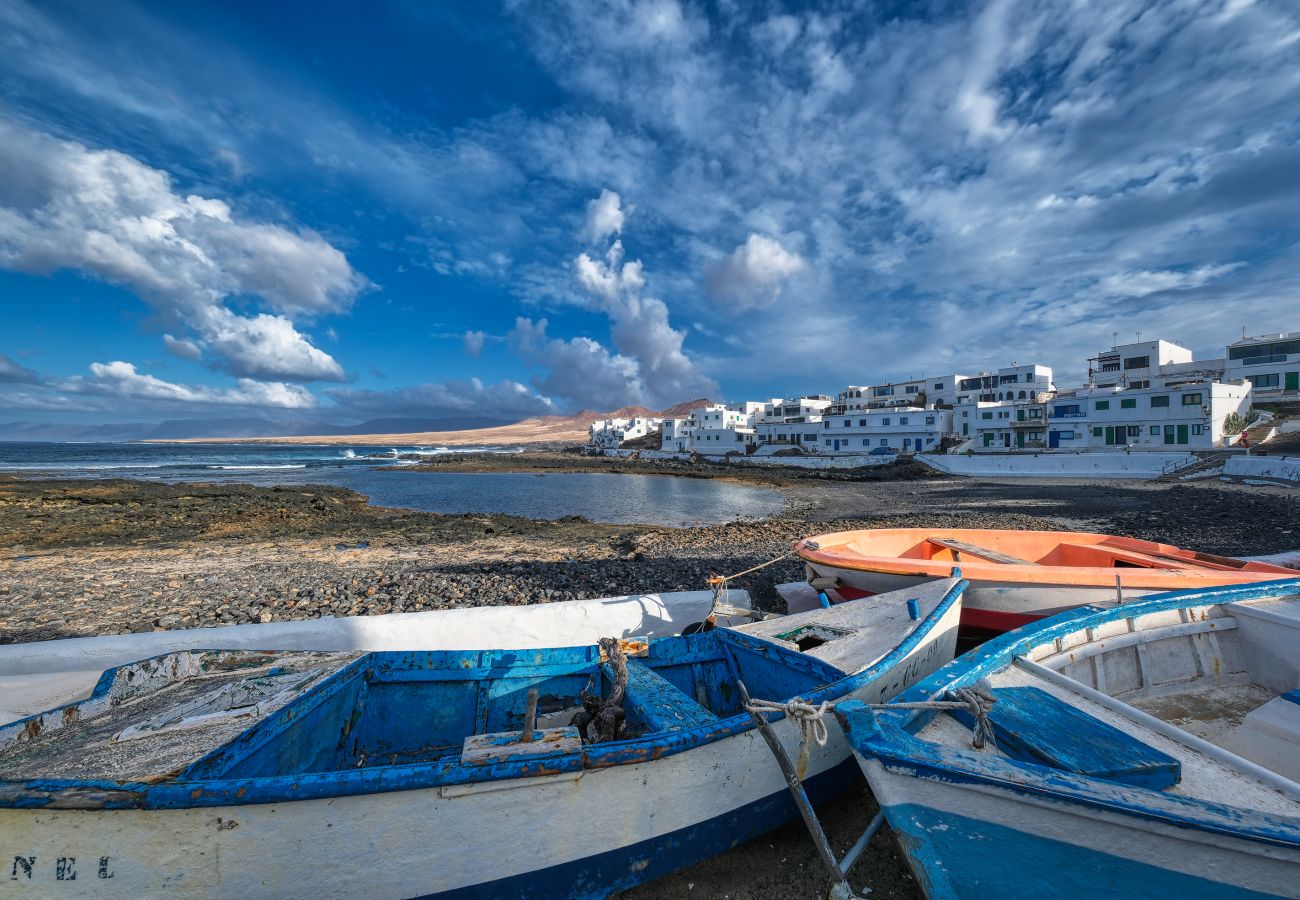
(378, 209)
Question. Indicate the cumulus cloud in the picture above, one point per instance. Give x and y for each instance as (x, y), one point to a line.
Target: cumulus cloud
(182, 349)
(109, 216)
(753, 274)
(11, 372)
(473, 341)
(503, 400)
(121, 380)
(604, 216)
(579, 369)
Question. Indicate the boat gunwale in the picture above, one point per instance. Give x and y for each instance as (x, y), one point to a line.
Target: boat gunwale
(889, 736)
(105, 794)
(977, 569)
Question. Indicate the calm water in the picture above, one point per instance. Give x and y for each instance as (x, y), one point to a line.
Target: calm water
(374, 472)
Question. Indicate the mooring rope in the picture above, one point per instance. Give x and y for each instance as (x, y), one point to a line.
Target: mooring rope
(812, 724)
(719, 582)
(975, 700)
(605, 713)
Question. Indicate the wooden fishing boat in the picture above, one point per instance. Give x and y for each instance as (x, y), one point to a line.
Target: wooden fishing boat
(1018, 576)
(442, 773)
(1150, 749)
(38, 675)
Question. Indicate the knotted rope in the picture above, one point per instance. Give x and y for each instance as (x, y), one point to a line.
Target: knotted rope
(605, 713)
(975, 700)
(719, 583)
(812, 724)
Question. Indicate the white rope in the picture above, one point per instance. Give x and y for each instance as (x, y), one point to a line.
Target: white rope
(975, 700)
(812, 724)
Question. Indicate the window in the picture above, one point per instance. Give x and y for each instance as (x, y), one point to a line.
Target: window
(862, 423)
(885, 420)
(1198, 429)
(902, 420)
(1103, 404)
(987, 415)
(1022, 395)
(1264, 381)
(1159, 401)
(806, 437)
(1061, 410)
(1097, 432)
(1251, 354)
(865, 442)
(910, 389)
(1035, 414)
(938, 387)
(1137, 362)
(1128, 403)
(848, 423)
(929, 420)
(884, 442)
(1155, 430)
(1008, 379)
(826, 423)
(1134, 430)
(1191, 399)
(1140, 383)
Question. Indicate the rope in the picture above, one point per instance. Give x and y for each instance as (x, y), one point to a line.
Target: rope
(976, 701)
(812, 724)
(605, 713)
(719, 582)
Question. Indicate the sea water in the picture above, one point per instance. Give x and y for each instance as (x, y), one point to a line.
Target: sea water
(376, 473)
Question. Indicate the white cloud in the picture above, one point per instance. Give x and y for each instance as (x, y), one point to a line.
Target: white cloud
(1139, 283)
(65, 206)
(754, 273)
(12, 372)
(605, 216)
(473, 341)
(121, 380)
(579, 369)
(503, 400)
(182, 349)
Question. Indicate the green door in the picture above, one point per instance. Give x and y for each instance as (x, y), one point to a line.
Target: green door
(1020, 439)
(1182, 434)
(1293, 381)
(1110, 435)
(988, 439)
(1169, 434)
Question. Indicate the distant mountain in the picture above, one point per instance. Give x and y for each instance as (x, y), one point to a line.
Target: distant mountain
(541, 428)
(189, 429)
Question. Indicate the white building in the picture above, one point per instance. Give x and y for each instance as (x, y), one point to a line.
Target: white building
(721, 429)
(1137, 364)
(1003, 424)
(609, 434)
(907, 429)
(1029, 383)
(1270, 362)
(1166, 415)
(790, 421)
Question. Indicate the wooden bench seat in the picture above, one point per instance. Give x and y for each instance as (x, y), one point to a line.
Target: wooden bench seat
(1034, 726)
(657, 703)
(959, 547)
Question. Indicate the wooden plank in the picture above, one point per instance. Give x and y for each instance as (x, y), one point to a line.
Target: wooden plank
(1033, 725)
(982, 552)
(657, 702)
(508, 746)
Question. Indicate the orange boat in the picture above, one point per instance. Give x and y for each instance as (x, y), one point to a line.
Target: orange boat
(1017, 576)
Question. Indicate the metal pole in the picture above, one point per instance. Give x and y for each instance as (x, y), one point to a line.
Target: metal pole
(792, 781)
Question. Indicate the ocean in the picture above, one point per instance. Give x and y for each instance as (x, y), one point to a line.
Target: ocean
(375, 473)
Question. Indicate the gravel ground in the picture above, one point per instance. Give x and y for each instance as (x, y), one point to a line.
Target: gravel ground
(93, 557)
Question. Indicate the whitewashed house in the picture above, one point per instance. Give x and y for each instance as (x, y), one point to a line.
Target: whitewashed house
(790, 422)
(1172, 414)
(609, 434)
(905, 429)
(1270, 362)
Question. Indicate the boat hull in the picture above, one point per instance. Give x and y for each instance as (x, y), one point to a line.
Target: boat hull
(584, 833)
(958, 838)
(992, 605)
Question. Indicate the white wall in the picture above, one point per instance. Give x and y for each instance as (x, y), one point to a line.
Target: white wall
(1286, 468)
(1059, 465)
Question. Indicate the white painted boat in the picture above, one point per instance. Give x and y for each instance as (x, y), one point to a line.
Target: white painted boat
(1019, 577)
(403, 774)
(1150, 749)
(39, 675)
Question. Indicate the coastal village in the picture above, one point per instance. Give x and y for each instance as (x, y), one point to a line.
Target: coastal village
(1141, 396)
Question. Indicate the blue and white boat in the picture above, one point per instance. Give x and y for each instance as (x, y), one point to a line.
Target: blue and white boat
(413, 773)
(1149, 749)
